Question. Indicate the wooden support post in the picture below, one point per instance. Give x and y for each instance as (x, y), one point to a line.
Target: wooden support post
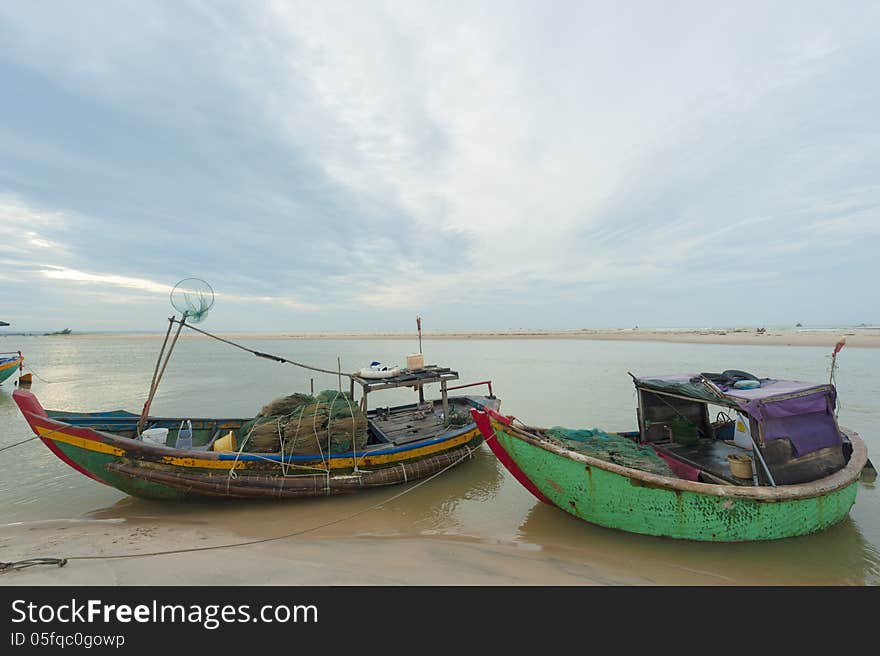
(351, 388)
(312, 386)
(445, 396)
(421, 395)
(157, 375)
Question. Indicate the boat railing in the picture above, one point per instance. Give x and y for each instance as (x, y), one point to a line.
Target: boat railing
(488, 383)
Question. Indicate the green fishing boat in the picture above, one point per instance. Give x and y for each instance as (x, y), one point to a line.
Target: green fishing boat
(773, 464)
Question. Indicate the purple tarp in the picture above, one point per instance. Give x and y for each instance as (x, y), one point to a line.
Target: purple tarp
(808, 421)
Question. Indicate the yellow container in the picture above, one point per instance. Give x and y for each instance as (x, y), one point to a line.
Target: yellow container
(740, 465)
(225, 443)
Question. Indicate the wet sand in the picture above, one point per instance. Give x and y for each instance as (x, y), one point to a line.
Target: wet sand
(858, 337)
(355, 560)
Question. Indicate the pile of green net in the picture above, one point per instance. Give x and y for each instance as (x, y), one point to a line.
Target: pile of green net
(328, 423)
(610, 447)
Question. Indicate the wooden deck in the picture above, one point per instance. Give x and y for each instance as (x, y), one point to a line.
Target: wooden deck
(407, 424)
(708, 455)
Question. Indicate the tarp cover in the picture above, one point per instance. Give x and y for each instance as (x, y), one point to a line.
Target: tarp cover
(807, 419)
(679, 384)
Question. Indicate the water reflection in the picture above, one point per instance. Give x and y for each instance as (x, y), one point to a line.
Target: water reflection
(445, 504)
(839, 555)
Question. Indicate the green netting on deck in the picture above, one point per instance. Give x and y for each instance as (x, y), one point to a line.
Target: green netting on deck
(340, 404)
(301, 424)
(610, 447)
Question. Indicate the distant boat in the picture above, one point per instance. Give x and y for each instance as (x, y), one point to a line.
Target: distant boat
(402, 444)
(9, 364)
(679, 475)
(66, 331)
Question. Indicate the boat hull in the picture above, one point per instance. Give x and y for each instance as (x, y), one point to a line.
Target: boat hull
(9, 366)
(158, 472)
(617, 497)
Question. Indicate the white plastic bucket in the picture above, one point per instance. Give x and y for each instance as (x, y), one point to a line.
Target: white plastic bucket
(155, 436)
(415, 362)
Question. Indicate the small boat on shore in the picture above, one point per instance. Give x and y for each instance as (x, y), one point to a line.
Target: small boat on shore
(401, 444)
(680, 474)
(9, 364)
(298, 445)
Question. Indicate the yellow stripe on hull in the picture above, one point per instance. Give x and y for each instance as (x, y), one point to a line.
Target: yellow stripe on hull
(203, 463)
(88, 445)
(200, 463)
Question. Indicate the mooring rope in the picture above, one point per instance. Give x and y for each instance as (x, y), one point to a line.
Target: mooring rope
(60, 562)
(30, 369)
(9, 446)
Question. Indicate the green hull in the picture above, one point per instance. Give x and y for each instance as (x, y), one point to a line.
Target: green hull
(96, 463)
(614, 500)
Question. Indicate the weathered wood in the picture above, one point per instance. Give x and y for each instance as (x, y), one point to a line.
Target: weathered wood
(157, 378)
(311, 485)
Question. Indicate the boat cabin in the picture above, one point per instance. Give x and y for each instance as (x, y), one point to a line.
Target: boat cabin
(787, 428)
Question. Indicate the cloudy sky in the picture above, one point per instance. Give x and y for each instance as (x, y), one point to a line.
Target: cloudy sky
(488, 165)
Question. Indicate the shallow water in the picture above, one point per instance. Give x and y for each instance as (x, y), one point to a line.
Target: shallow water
(543, 382)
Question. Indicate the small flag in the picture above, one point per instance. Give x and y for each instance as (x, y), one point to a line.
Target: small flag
(839, 345)
(419, 323)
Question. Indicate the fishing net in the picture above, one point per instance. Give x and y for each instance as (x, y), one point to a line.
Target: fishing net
(459, 417)
(286, 404)
(331, 423)
(611, 448)
(193, 298)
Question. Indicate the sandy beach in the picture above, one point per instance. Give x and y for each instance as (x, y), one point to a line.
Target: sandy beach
(324, 560)
(855, 337)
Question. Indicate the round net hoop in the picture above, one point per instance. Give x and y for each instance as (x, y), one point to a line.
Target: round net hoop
(192, 297)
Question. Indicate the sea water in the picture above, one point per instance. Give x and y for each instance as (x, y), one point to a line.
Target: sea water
(567, 382)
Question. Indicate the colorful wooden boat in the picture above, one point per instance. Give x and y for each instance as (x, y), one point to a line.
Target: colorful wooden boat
(405, 444)
(805, 475)
(9, 364)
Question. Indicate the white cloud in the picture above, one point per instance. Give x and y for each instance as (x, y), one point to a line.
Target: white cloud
(543, 147)
(485, 123)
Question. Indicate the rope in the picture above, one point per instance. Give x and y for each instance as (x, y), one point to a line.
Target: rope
(24, 564)
(260, 354)
(9, 446)
(21, 564)
(30, 369)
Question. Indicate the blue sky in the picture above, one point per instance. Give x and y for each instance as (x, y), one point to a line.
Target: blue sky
(345, 166)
